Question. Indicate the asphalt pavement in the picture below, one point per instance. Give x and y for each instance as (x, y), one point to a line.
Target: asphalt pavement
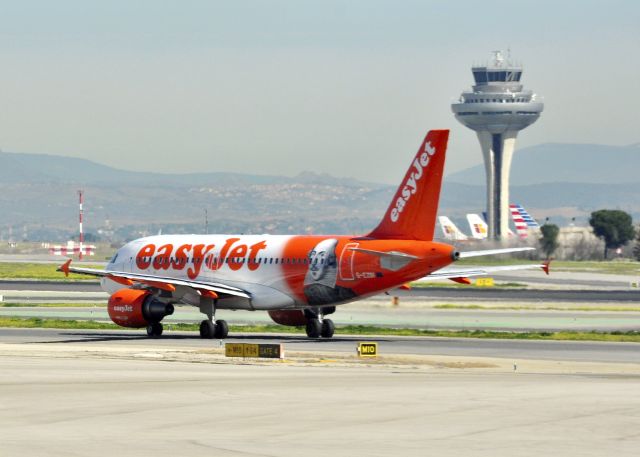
(582, 351)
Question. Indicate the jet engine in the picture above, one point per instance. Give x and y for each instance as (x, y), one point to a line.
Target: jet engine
(137, 308)
(299, 317)
(292, 317)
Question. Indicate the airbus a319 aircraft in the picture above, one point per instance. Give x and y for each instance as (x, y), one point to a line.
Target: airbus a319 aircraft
(297, 279)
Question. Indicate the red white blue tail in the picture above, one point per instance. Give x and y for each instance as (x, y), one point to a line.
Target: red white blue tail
(522, 220)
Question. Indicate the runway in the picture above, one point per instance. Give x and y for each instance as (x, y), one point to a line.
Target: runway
(407, 315)
(581, 351)
(116, 393)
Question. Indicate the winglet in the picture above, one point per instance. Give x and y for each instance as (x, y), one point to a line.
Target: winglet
(65, 268)
(545, 265)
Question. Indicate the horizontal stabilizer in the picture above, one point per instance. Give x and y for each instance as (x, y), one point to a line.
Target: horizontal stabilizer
(454, 274)
(467, 254)
(460, 280)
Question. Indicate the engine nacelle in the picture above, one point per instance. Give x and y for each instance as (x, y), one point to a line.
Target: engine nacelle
(292, 317)
(136, 308)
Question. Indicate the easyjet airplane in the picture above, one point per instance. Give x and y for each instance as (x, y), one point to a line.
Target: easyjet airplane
(297, 279)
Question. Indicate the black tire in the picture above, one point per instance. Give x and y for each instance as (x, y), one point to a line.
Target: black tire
(154, 330)
(207, 329)
(328, 328)
(314, 327)
(222, 329)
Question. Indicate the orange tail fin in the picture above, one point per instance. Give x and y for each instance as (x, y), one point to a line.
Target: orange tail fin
(412, 212)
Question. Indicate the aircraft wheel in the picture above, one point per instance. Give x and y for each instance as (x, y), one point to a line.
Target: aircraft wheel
(314, 328)
(207, 329)
(222, 329)
(154, 330)
(328, 328)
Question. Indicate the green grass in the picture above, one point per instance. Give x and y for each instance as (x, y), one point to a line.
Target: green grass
(34, 322)
(46, 271)
(52, 305)
(609, 267)
(365, 330)
(542, 308)
(43, 271)
(622, 267)
(451, 284)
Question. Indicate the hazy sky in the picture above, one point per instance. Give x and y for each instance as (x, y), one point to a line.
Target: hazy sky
(278, 87)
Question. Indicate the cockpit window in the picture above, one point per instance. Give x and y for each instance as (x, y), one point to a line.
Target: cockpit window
(113, 260)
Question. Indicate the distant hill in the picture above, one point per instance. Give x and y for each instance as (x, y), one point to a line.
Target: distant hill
(565, 163)
(38, 195)
(44, 168)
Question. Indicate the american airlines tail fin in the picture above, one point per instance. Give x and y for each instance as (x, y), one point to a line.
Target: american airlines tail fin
(522, 220)
(451, 232)
(412, 212)
(479, 228)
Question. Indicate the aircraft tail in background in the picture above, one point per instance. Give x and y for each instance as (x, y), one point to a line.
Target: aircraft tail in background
(479, 228)
(522, 220)
(450, 231)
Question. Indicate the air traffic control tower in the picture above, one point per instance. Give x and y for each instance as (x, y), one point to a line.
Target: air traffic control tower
(497, 108)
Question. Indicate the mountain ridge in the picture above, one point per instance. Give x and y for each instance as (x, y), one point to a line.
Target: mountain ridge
(572, 163)
(38, 191)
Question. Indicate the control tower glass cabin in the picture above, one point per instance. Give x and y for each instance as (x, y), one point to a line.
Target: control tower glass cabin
(497, 108)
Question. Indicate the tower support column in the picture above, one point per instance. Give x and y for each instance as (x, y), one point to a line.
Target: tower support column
(497, 151)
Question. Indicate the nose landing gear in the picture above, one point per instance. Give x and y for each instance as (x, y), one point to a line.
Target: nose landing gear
(210, 328)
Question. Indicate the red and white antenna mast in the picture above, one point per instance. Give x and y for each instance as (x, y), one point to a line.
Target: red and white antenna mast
(80, 199)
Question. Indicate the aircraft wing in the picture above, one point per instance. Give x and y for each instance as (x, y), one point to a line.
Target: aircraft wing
(160, 282)
(460, 274)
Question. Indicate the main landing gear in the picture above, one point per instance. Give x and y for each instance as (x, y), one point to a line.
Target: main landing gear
(154, 330)
(318, 326)
(218, 329)
(211, 328)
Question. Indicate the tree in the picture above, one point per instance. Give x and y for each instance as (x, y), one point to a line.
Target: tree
(549, 241)
(613, 226)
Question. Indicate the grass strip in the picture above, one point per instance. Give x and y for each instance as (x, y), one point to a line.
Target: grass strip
(619, 309)
(365, 330)
(631, 309)
(53, 305)
(43, 271)
(452, 285)
(47, 271)
(622, 267)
